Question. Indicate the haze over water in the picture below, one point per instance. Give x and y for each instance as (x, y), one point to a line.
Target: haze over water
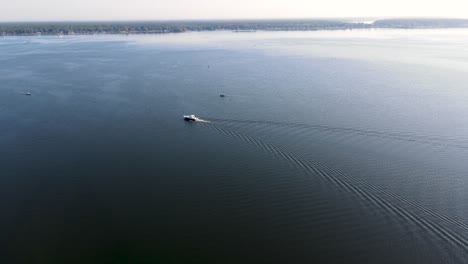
(330, 146)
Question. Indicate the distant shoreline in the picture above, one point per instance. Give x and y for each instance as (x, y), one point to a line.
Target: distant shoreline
(155, 27)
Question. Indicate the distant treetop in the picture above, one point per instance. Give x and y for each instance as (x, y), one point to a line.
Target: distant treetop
(154, 27)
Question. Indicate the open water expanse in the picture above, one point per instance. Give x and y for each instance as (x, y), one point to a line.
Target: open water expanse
(329, 147)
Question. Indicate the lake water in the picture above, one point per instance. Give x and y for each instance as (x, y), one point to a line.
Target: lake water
(329, 147)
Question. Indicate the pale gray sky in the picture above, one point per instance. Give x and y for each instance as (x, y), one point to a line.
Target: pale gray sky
(32, 10)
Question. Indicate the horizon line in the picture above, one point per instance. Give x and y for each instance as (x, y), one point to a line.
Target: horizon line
(232, 19)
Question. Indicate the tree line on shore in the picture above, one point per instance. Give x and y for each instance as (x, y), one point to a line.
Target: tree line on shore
(152, 27)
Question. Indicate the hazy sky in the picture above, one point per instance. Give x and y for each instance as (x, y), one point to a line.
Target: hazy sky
(17, 10)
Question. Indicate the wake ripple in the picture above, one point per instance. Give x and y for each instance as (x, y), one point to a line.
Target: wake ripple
(434, 222)
(428, 140)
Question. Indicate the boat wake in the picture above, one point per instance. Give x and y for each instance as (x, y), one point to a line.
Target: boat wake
(421, 139)
(447, 228)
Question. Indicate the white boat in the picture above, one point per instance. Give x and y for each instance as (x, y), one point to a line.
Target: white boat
(191, 118)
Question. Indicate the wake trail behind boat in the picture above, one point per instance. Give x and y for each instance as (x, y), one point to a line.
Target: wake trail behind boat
(421, 139)
(426, 218)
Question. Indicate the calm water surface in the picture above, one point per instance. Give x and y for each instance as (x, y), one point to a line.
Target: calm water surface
(329, 147)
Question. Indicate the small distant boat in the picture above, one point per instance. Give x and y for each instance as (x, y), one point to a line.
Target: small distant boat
(191, 118)
(26, 93)
(222, 95)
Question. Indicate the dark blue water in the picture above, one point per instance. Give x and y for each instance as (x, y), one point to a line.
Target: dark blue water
(329, 147)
